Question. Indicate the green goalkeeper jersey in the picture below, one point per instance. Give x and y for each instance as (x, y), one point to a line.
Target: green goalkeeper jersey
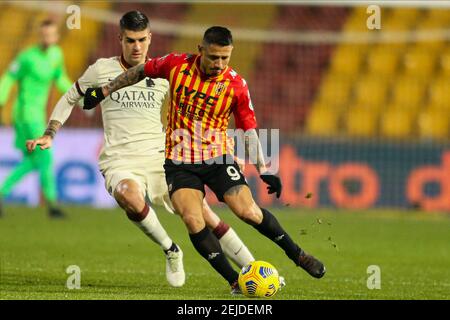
(35, 70)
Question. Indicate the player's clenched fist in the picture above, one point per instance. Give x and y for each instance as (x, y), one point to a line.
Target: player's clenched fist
(45, 142)
(92, 98)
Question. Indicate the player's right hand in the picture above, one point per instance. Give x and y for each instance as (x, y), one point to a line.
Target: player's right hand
(92, 97)
(45, 142)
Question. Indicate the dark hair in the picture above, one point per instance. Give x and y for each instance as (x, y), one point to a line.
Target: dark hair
(47, 22)
(134, 21)
(218, 35)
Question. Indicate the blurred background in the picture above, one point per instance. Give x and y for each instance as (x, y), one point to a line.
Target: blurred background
(363, 114)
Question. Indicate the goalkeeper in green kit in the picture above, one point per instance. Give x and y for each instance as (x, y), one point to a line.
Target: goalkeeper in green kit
(34, 69)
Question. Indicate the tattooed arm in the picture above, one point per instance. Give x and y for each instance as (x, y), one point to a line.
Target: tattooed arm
(254, 149)
(52, 128)
(93, 96)
(127, 78)
(46, 141)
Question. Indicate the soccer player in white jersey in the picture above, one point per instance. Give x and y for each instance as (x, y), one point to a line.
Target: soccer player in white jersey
(132, 157)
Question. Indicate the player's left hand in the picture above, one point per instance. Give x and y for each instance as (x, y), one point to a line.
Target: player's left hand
(274, 183)
(92, 97)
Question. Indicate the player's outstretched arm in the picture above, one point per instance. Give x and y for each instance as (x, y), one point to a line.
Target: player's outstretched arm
(94, 96)
(46, 141)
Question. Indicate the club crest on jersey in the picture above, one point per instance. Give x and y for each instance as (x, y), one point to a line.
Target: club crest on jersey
(219, 88)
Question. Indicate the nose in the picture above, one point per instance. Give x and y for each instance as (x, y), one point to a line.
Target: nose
(137, 46)
(219, 64)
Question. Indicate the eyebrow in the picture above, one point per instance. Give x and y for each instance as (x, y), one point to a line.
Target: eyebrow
(215, 56)
(140, 39)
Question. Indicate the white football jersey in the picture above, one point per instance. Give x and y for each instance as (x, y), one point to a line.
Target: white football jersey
(131, 116)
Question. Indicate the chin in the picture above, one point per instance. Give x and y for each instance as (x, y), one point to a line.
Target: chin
(133, 61)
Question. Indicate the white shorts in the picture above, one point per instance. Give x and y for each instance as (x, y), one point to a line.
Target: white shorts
(147, 172)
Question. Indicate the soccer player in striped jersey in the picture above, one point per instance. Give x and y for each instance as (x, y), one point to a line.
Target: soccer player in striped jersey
(133, 154)
(204, 92)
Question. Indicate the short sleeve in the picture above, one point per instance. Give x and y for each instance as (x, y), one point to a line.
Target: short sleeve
(243, 111)
(160, 67)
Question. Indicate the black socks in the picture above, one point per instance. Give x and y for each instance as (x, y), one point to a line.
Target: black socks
(209, 247)
(271, 228)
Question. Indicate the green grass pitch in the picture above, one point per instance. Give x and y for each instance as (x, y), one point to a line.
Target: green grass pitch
(117, 261)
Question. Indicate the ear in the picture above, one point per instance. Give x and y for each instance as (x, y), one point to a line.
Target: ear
(200, 48)
(150, 37)
(119, 36)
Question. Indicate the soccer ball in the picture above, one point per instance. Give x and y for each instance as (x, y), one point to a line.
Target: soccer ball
(259, 279)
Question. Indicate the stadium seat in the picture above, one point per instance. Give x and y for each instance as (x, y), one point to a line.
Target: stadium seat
(323, 122)
(347, 59)
(371, 92)
(440, 93)
(419, 62)
(396, 123)
(440, 15)
(382, 61)
(432, 46)
(408, 93)
(445, 61)
(361, 122)
(433, 124)
(407, 16)
(395, 25)
(431, 23)
(428, 25)
(335, 91)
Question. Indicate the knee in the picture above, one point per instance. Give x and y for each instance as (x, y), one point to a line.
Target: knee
(126, 194)
(193, 220)
(122, 192)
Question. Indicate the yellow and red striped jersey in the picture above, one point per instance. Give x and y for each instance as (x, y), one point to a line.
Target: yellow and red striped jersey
(201, 107)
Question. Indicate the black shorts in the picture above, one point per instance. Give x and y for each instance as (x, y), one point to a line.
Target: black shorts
(219, 176)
